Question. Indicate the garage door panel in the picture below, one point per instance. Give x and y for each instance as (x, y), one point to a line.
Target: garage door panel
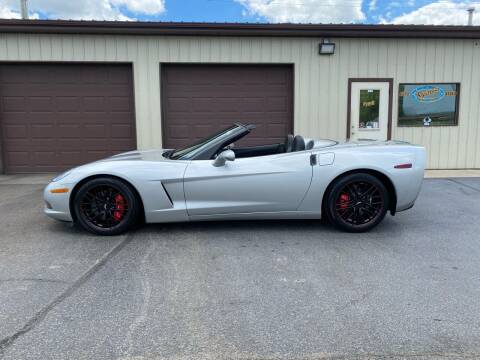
(68, 131)
(178, 105)
(198, 100)
(68, 103)
(14, 131)
(62, 75)
(40, 103)
(70, 158)
(118, 145)
(202, 131)
(39, 74)
(93, 155)
(76, 144)
(14, 103)
(122, 119)
(260, 132)
(20, 158)
(227, 104)
(277, 103)
(93, 103)
(121, 131)
(44, 158)
(14, 77)
(41, 131)
(202, 104)
(176, 76)
(93, 76)
(94, 131)
(119, 77)
(39, 144)
(119, 103)
(276, 130)
(277, 77)
(55, 116)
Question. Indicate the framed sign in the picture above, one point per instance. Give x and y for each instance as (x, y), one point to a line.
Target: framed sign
(428, 104)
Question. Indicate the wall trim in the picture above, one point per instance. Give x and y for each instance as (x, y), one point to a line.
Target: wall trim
(238, 29)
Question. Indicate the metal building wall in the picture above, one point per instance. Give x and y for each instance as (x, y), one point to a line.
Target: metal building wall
(320, 91)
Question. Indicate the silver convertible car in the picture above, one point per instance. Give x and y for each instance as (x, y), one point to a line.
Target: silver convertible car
(352, 184)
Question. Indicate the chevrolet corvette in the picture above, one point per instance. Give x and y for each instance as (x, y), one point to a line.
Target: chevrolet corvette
(352, 184)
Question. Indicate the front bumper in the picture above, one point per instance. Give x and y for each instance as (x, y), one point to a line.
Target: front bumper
(57, 206)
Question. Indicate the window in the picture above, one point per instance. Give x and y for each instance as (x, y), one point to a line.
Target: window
(369, 109)
(428, 104)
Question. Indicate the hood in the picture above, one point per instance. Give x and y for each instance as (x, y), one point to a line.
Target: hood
(130, 156)
(145, 155)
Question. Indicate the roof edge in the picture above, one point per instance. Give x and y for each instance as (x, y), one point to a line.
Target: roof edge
(238, 29)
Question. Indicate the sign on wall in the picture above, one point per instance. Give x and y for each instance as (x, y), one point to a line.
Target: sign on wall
(428, 104)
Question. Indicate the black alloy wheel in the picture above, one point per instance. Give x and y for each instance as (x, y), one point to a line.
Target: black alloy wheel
(357, 202)
(106, 206)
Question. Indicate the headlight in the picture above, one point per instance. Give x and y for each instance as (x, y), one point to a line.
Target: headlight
(61, 176)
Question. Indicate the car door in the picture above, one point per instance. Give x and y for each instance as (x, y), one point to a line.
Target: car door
(257, 184)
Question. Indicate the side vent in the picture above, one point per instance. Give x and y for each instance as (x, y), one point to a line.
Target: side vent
(168, 195)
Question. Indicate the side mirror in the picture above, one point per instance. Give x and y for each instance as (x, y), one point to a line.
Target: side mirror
(223, 157)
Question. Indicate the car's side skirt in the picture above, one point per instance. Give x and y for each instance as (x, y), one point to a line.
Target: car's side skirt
(259, 216)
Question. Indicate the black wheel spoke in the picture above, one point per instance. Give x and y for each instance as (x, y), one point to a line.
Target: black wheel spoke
(347, 214)
(104, 206)
(369, 191)
(359, 202)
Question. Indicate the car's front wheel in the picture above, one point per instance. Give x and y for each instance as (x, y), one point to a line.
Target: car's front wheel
(357, 202)
(106, 206)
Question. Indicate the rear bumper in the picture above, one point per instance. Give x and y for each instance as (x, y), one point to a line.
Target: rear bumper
(408, 187)
(406, 207)
(408, 182)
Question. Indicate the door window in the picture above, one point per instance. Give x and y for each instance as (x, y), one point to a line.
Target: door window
(369, 109)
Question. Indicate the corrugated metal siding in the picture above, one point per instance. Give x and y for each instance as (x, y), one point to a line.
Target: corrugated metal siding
(320, 99)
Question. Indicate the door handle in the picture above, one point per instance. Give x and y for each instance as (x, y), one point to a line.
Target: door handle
(313, 160)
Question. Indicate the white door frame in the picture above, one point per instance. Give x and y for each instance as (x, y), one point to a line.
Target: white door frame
(390, 101)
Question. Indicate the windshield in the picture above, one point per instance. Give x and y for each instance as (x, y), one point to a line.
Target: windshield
(191, 150)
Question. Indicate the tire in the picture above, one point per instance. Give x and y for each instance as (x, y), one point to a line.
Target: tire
(357, 202)
(106, 206)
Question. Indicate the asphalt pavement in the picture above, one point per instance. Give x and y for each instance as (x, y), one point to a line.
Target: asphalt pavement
(409, 289)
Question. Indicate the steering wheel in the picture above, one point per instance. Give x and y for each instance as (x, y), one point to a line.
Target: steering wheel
(289, 143)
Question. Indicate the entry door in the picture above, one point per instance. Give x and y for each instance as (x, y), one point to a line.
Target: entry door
(369, 110)
(246, 185)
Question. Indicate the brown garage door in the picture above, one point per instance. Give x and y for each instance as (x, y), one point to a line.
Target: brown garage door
(55, 116)
(198, 100)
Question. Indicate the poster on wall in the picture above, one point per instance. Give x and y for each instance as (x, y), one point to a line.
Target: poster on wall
(428, 104)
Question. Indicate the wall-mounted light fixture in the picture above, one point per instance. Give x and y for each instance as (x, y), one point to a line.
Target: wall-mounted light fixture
(326, 47)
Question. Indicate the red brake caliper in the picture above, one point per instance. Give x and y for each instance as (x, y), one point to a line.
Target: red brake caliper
(343, 201)
(119, 207)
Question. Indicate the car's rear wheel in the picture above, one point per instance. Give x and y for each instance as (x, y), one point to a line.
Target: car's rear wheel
(106, 206)
(357, 202)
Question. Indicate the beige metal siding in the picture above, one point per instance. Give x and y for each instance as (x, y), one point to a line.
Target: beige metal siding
(320, 99)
